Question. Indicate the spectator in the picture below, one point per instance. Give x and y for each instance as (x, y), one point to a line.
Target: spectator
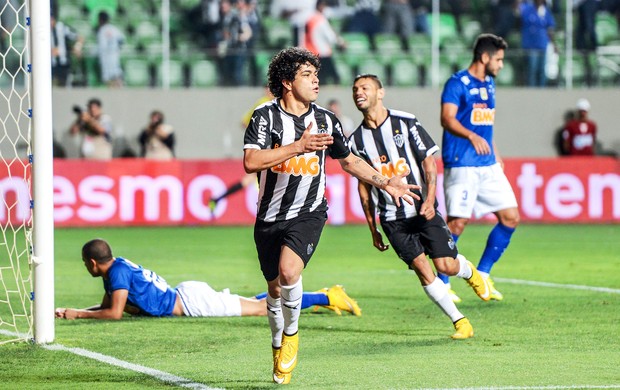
(558, 134)
(347, 123)
(157, 138)
(504, 16)
(64, 42)
(579, 135)
(420, 11)
(365, 19)
(320, 38)
(109, 42)
(585, 34)
(537, 24)
(236, 32)
(398, 19)
(296, 12)
(93, 129)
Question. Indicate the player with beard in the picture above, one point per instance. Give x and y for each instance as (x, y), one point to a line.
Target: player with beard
(395, 142)
(474, 179)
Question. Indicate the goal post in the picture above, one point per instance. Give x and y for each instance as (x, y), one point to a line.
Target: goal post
(26, 173)
(42, 172)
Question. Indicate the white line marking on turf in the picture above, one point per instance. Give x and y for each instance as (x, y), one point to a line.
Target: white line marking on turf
(535, 387)
(558, 285)
(161, 375)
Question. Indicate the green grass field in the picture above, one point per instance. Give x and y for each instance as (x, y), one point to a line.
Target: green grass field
(550, 336)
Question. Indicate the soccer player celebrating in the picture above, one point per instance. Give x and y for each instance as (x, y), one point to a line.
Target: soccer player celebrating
(474, 179)
(286, 143)
(395, 141)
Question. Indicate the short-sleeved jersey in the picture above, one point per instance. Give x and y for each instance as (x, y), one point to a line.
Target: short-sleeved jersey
(581, 137)
(400, 142)
(147, 291)
(476, 111)
(297, 185)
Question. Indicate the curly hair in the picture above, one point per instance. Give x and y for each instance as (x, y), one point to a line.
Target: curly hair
(284, 66)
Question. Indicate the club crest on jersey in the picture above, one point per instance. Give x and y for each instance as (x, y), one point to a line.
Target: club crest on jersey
(399, 140)
(322, 128)
(484, 94)
(310, 249)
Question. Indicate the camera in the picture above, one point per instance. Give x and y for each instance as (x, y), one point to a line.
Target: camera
(77, 110)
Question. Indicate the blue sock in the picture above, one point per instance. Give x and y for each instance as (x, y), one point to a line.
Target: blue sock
(307, 299)
(498, 241)
(445, 278)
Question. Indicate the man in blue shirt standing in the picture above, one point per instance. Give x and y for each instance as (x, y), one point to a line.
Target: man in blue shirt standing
(474, 180)
(537, 24)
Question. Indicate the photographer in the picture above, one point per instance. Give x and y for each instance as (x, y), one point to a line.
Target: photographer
(95, 129)
(157, 139)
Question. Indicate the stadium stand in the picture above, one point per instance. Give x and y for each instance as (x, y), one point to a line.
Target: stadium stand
(386, 54)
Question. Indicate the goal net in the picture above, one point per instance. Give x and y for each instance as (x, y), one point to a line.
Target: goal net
(20, 267)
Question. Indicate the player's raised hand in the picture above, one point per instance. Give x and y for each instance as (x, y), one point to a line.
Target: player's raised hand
(312, 142)
(398, 188)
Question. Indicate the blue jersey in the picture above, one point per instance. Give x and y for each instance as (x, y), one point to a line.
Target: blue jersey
(147, 291)
(476, 111)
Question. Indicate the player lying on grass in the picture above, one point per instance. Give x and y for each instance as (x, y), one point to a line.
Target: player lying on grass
(136, 290)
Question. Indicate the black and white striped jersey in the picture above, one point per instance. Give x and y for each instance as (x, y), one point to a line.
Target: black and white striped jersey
(398, 143)
(297, 185)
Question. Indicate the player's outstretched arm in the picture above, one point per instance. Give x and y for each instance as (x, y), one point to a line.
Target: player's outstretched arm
(395, 186)
(111, 311)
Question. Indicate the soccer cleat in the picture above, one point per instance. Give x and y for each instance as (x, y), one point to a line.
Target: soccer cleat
(339, 300)
(455, 298)
(496, 295)
(212, 205)
(278, 377)
(478, 283)
(287, 360)
(464, 330)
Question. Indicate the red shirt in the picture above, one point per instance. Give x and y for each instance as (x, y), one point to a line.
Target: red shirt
(580, 136)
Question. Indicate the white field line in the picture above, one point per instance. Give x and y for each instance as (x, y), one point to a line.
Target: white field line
(161, 375)
(182, 382)
(558, 285)
(535, 387)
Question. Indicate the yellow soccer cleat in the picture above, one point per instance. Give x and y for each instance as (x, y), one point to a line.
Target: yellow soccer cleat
(339, 300)
(455, 298)
(495, 295)
(278, 377)
(287, 361)
(464, 330)
(478, 283)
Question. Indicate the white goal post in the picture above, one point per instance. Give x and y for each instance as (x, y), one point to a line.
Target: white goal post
(26, 173)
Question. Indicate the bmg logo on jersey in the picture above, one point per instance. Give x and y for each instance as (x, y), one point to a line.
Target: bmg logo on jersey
(394, 168)
(299, 166)
(483, 116)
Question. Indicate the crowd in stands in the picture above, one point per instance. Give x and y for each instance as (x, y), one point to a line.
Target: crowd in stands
(229, 42)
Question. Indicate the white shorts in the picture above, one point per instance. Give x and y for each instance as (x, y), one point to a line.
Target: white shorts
(200, 300)
(480, 190)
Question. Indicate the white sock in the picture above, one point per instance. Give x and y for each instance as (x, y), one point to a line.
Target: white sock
(484, 274)
(276, 321)
(438, 293)
(291, 306)
(464, 271)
